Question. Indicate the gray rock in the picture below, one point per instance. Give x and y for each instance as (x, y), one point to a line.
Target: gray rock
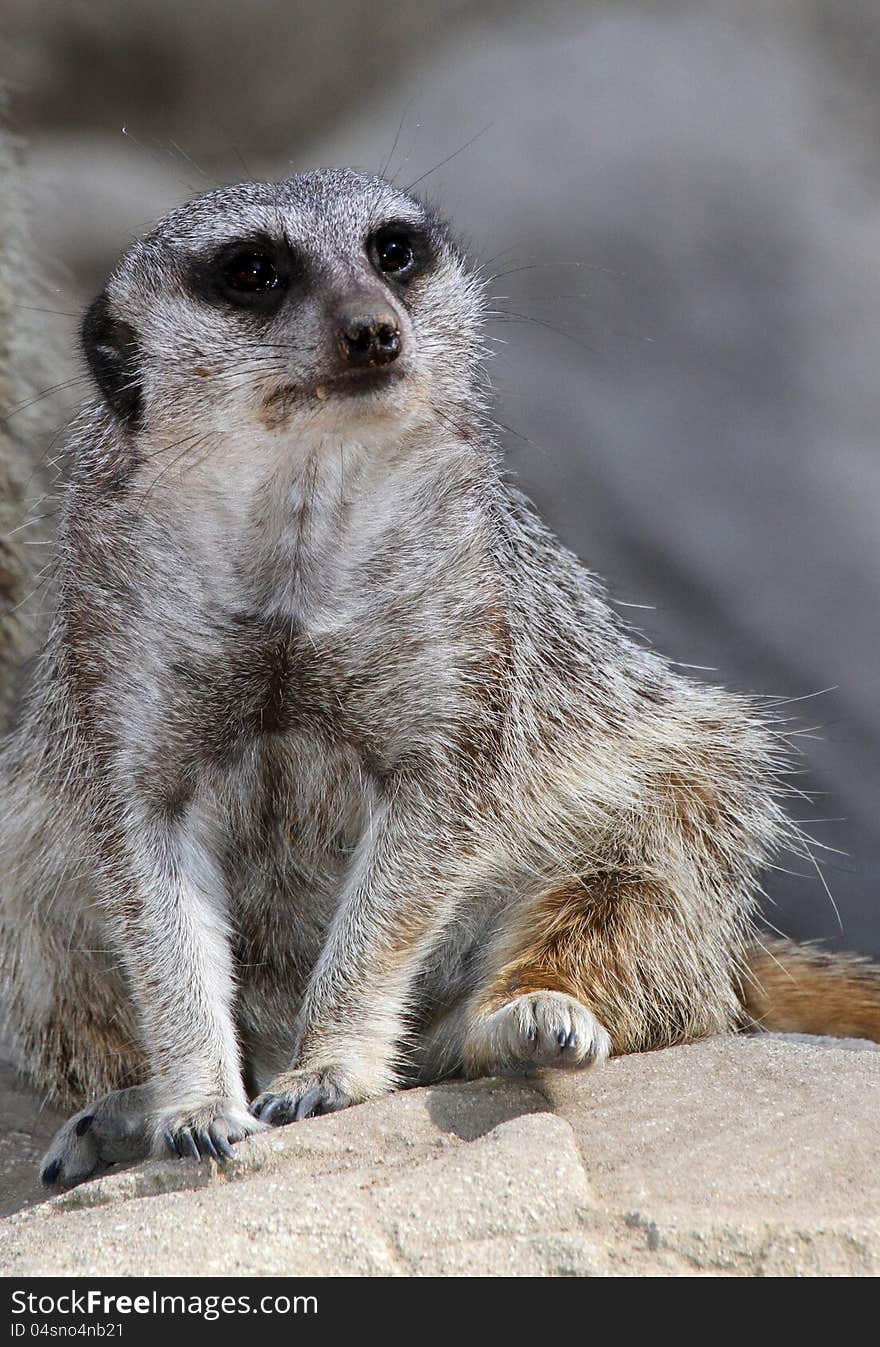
(733, 1157)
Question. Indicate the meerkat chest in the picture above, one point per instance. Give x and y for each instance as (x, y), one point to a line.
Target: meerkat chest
(342, 605)
(371, 685)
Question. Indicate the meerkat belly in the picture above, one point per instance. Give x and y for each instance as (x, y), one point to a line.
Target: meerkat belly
(287, 854)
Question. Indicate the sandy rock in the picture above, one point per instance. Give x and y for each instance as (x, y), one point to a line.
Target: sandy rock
(26, 1128)
(751, 1155)
(735, 1157)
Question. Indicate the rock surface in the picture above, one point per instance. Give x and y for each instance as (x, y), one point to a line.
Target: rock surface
(734, 1157)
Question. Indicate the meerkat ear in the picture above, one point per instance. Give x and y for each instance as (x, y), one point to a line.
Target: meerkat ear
(111, 348)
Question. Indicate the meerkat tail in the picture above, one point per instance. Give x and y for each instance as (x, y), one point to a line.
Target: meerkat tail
(804, 989)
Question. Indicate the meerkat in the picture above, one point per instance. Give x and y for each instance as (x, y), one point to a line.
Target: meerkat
(338, 772)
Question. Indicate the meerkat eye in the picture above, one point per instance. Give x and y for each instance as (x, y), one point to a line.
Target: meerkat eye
(251, 273)
(394, 253)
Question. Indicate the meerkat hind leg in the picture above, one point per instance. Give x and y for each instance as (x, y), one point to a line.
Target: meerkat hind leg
(535, 1030)
(117, 1129)
(125, 1126)
(574, 965)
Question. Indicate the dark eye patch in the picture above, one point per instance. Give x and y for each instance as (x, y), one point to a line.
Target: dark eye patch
(251, 274)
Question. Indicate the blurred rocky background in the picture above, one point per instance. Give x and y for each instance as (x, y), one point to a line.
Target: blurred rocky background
(679, 205)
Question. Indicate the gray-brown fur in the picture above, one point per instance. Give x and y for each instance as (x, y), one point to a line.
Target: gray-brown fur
(330, 729)
(24, 362)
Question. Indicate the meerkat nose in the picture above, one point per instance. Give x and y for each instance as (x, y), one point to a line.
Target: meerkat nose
(369, 338)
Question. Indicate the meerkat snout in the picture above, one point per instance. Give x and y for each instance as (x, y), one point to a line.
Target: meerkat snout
(369, 336)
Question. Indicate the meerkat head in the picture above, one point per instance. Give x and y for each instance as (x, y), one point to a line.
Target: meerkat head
(332, 302)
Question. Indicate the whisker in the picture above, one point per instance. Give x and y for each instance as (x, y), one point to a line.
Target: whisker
(449, 157)
(384, 169)
(47, 392)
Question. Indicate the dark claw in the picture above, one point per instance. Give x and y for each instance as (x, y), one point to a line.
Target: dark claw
(185, 1145)
(84, 1124)
(280, 1109)
(222, 1145)
(170, 1143)
(51, 1173)
(274, 1104)
(533, 1032)
(206, 1145)
(309, 1105)
(562, 1039)
(572, 1039)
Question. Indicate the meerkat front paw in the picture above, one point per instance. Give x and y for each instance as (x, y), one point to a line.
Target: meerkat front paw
(539, 1029)
(114, 1130)
(207, 1131)
(295, 1095)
